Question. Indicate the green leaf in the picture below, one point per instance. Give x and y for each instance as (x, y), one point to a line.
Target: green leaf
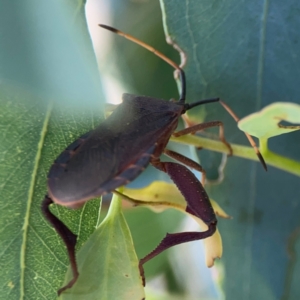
(107, 263)
(161, 195)
(49, 96)
(153, 294)
(265, 123)
(241, 51)
(245, 53)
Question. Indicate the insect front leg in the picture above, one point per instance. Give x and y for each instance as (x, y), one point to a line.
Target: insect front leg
(67, 236)
(202, 126)
(198, 204)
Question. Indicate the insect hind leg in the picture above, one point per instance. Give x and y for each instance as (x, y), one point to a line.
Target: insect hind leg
(68, 237)
(188, 162)
(173, 239)
(198, 204)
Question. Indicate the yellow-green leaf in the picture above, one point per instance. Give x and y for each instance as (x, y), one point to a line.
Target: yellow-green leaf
(161, 195)
(107, 263)
(266, 123)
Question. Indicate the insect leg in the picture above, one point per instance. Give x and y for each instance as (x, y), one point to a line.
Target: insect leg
(198, 204)
(68, 237)
(135, 202)
(173, 239)
(249, 137)
(188, 162)
(235, 117)
(202, 126)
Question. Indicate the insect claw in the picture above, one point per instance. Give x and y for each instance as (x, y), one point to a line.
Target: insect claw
(261, 159)
(69, 285)
(142, 272)
(229, 147)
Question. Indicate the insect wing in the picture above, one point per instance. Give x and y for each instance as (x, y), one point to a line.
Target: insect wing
(113, 154)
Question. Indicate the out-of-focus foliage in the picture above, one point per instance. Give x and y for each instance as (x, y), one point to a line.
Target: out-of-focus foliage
(246, 53)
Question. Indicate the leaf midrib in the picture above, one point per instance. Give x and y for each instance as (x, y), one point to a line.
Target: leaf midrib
(30, 197)
(261, 57)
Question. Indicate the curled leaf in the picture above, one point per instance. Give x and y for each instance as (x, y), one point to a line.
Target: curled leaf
(266, 123)
(162, 195)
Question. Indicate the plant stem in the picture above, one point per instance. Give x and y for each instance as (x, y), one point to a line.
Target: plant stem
(271, 158)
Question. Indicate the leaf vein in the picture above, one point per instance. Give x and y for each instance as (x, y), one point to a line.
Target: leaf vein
(261, 57)
(29, 202)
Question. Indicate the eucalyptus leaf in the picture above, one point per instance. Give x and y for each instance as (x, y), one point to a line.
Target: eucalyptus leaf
(160, 195)
(107, 263)
(50, 94)
(265, 123)
(246, 53)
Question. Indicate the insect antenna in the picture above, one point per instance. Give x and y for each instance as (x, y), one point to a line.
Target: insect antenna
(188, 106)
(157, 53)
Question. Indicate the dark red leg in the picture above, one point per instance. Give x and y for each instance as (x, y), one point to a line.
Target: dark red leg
(67, 236)
(202, 126)
(192, 190)
(198, 204)
(188, 162)
(173, 239)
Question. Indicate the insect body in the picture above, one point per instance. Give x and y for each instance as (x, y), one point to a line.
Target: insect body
(117, 151)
